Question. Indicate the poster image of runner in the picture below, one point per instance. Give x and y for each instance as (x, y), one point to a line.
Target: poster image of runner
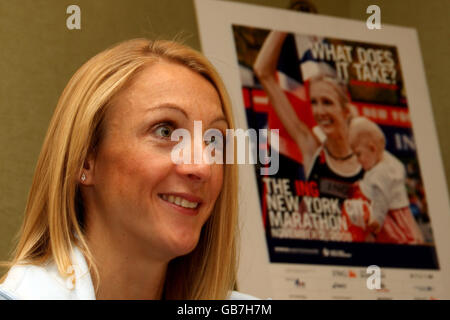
(349, 189)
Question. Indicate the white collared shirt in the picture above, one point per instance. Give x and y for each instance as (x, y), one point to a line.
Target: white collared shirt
(31, 282)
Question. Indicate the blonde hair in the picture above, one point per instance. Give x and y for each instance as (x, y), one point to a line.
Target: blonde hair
(54, 212)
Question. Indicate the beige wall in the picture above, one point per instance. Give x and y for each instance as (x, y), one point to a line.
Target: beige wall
(38, 55)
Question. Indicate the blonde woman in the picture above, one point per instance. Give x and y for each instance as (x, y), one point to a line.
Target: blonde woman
(331, 163)
(109, 215)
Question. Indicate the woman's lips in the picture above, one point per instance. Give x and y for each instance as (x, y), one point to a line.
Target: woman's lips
(183, 204)
(324, 122)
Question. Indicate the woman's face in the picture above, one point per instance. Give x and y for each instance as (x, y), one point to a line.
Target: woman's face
(140, 196)
(327, 109)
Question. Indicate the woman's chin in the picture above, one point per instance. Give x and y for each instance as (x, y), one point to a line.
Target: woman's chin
(183, 245)
(327, 129)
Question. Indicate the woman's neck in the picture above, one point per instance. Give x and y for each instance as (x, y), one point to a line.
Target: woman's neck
(338, 146)
(125, 271)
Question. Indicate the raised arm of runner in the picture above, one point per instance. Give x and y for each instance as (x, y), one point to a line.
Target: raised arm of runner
(265, 68)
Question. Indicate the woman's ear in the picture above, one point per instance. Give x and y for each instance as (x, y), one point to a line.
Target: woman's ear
(87, 173)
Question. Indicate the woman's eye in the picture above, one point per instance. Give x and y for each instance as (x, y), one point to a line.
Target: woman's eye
(327, 102)
(164, 131)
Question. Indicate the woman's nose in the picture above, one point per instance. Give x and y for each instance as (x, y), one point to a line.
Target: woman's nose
(319, 108)
(198, 168)
(195, 171)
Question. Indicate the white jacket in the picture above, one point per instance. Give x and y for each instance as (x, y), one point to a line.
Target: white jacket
(30, 282)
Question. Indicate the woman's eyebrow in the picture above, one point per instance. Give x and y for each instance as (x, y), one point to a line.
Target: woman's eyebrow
(178, 109)
(167, 106)
(220, 118)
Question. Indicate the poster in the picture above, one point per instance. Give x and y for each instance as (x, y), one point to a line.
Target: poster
(350, 190)
(314, 211)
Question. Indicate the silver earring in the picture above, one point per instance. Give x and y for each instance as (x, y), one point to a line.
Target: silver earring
(83, 177)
